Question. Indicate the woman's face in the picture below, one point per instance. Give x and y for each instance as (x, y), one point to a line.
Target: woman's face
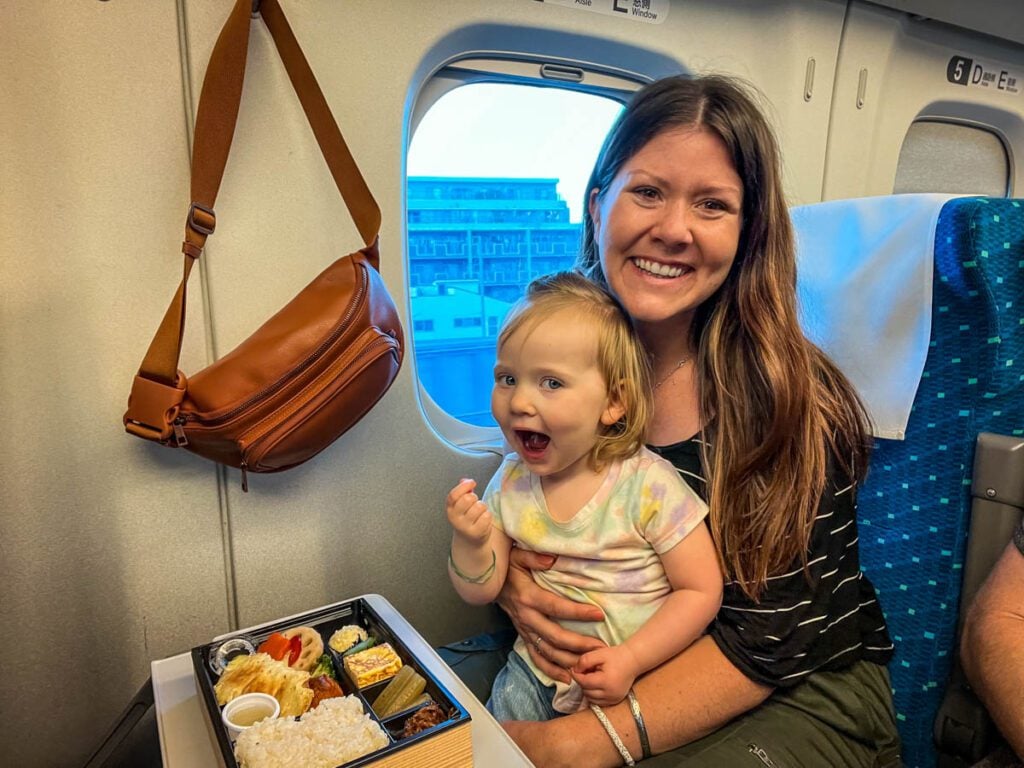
(668, 226)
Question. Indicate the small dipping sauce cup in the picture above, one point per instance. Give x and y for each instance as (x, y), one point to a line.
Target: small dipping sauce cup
(247, 709)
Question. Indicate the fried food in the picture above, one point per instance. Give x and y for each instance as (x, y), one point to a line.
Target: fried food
(323, 687)
(312, 646)
(259, 673)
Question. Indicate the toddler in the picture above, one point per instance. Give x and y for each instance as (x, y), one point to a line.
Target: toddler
(572, 396)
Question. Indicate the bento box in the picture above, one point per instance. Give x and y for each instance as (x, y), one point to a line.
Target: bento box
(383, 707)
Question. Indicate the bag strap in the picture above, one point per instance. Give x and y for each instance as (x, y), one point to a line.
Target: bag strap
(159, 386)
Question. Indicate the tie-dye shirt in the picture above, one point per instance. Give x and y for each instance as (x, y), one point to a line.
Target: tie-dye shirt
(608, 552)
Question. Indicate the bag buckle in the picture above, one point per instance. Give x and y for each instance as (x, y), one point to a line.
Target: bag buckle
(201, 219)
(153, 406)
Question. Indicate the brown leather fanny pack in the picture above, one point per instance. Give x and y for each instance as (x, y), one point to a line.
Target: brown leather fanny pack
(317, 366)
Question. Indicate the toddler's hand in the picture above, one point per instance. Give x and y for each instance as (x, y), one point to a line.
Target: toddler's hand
(606, 675)
(467, 514)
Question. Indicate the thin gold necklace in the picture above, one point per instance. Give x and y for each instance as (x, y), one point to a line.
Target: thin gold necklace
(683, 361)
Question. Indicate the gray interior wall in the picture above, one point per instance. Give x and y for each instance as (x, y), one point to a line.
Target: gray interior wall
(110, 552)
(892, 71)
(114, 552)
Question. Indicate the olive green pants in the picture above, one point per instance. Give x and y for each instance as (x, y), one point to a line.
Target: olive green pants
(832, 720)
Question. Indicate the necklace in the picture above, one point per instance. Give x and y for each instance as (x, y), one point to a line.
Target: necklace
(683, 361)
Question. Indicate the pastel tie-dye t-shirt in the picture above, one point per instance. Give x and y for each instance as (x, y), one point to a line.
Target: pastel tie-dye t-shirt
(608, 552)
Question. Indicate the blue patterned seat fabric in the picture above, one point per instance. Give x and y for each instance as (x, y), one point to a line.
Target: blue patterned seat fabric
(914, 508)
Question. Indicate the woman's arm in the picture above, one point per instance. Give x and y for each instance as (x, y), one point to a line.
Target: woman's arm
(992, 649)
(688, 697)
(533, 611)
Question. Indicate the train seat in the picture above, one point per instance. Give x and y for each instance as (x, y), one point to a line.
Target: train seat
(914, 508)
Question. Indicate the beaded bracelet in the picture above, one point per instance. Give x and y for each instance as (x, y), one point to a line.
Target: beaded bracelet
(641, 727)
(613, 735)
(473, 579)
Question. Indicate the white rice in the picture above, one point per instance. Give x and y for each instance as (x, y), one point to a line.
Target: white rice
(335, 732)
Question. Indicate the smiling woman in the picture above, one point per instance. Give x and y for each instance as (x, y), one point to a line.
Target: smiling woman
(688, 228)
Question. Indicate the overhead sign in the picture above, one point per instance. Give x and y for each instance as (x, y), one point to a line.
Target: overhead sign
(975, 73)
(650, 11)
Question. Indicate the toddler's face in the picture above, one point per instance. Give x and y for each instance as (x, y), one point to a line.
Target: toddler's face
(549, 396)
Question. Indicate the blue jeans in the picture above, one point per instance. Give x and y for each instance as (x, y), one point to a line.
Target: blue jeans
(517, 694)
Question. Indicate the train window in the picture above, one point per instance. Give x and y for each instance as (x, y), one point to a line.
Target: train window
(496, 174)
(952, 157)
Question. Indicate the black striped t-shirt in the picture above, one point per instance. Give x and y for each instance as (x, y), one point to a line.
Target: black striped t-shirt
(800, 625)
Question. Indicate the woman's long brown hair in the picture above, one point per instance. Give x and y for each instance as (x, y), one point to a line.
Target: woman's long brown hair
(773, 406)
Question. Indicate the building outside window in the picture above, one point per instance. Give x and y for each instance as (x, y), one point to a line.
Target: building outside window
(494, 199)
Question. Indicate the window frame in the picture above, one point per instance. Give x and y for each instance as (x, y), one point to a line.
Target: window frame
(1007, 125)
(472, 68)
(962, 122)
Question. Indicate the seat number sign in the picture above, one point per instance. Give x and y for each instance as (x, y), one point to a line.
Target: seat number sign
(649, 11)
(975, 73)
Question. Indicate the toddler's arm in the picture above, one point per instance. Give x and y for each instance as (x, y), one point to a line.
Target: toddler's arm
(479, 553)
(607, 674)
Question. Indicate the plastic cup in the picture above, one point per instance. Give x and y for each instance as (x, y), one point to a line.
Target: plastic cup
(246, 710)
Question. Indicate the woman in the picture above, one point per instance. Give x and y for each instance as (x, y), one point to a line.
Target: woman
(687, 226)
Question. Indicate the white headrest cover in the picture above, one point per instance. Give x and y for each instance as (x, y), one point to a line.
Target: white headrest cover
(865, 290)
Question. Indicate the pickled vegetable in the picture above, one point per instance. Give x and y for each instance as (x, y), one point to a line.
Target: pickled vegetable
(423, 698)
(387, 697)
(400, 693)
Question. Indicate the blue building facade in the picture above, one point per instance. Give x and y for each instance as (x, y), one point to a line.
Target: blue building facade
(474, 245)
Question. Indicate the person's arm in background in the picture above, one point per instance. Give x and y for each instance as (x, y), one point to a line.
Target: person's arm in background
(534, 612)
(992, 647)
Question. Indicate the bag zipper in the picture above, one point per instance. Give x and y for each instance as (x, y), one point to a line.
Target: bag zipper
(341, 364)
(179, 431)
(296, 370)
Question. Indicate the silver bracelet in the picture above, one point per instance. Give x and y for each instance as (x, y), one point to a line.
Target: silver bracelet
(603, 718)
(641, 727)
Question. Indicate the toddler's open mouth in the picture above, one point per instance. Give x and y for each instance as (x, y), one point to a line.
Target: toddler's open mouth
(532, 443)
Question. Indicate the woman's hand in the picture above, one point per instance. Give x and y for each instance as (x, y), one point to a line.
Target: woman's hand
(532, 609)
